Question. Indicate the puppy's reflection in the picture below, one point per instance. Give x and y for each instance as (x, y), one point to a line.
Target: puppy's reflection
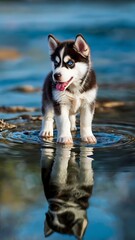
(67, 178)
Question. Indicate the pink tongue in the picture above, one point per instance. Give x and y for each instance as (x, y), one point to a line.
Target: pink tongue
(61, 86)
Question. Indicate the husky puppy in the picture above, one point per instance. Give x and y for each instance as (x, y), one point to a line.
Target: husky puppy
(68, 89)
(68, 181)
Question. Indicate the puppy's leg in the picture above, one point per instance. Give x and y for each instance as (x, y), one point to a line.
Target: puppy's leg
(47, 122)
(86, 116)
(72, 122)
(86, 171)
(60, 167)
(63, 126)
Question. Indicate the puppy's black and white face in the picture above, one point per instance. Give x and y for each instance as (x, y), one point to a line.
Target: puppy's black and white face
(70, 61)
(69, 221)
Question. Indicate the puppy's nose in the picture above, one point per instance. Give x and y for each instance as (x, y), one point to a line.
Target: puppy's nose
(57, 76)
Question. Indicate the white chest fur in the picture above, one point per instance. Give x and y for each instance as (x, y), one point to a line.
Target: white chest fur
(74, 100)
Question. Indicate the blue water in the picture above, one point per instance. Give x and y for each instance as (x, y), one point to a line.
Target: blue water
(110, 31)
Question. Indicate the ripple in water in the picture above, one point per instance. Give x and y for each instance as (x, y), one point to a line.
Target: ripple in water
(107, 136)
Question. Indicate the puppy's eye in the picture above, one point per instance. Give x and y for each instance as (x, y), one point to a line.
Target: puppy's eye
(70, 63)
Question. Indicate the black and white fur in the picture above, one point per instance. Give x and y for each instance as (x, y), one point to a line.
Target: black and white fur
(70, 88)
(67, 178)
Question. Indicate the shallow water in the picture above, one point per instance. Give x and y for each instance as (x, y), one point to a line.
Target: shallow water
(110, 162)
(101, 174)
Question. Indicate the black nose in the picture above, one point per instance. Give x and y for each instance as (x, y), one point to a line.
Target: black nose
(57, 76)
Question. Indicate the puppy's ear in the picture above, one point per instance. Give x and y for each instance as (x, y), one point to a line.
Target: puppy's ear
(81, 45)
(53, 43)
(47, 230)
(79, 228)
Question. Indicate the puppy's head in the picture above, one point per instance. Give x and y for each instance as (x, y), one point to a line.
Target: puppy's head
(67, 221)
(70, 61)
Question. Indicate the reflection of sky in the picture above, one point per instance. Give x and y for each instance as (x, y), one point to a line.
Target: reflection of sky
(103, 214)
(106, 213)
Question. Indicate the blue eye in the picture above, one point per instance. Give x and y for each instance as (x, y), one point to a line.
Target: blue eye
(70, 63)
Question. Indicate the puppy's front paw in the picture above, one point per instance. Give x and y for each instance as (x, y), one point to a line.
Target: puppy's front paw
(65, 140)
(46, 133)
(89, 139)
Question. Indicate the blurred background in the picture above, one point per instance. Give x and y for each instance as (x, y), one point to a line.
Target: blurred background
(108, 27)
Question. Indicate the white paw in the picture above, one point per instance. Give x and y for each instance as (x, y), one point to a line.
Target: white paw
(46, 133)
(73, 129)
(89, 139)
(65, 140)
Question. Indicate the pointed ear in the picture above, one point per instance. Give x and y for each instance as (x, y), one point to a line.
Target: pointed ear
(81, 45)
(53, 43)
(47, 230)
(79, 228)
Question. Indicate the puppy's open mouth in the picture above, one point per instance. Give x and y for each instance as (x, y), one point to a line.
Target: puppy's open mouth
(61, 86)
